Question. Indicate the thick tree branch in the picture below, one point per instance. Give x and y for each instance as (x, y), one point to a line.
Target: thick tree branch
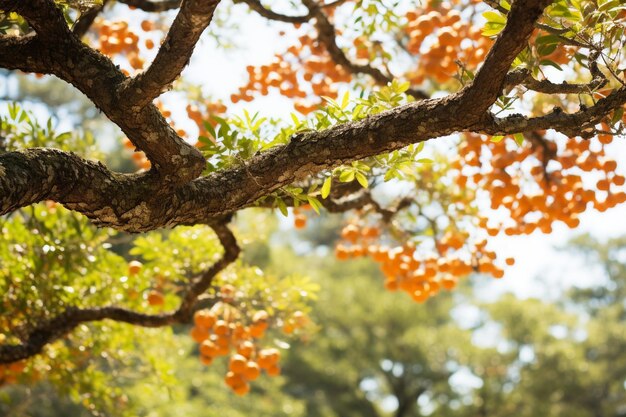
(489, 81)
(21, 52)
(193, 18)
(137, 204)
(57, 327)
(258, 7)
(142, 207)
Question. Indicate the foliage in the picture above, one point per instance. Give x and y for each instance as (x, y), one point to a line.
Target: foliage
(429, 216)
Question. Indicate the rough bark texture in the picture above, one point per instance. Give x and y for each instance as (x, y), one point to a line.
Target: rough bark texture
(172, 193)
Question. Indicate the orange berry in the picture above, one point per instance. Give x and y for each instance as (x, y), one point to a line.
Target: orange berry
(252, 371)
(350, 233)
(257, 330)
(232, 379)
(198, 334)
(603, 185)
(241, 389)
(147, 25)
(246, 348)
(204, 318)
(221, 328)
(342, 253)
(237, 363)
(206, 360)
(207, 347)
(299, 221)
(273, 370)
(155, 298)
(134, 267)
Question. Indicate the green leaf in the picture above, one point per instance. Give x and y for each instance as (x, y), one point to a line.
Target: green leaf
(495, 23)
(209, 128)
(519, 138)
(13, 110)
(326, 187)
(362, 179)
(496, 139)
(315, 203)
(550, 63)
(346, 176)
(617, 115)
(282, 206)
(345, 100)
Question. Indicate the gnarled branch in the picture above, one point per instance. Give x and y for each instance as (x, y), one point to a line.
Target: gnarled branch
(258, 7)
(61, 53)
(57, 327)
(580, 123)
(139, 203)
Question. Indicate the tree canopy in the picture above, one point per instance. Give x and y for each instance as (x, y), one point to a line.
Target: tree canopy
(430, 129)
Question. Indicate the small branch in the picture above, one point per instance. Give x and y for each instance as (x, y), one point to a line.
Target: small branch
(153, 6)
(57, 327)
(193, 18)
(580, 123)
(327, 36)
(489, 81)
(271, 15)
(524, 77)
(84, 22)
(202, 283)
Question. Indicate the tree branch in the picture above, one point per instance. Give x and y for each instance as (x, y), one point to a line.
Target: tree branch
(270, 14)
(489, 81)
(138, 204)
(580, 123)
(82, 25)
(57, 327)
(523, 76)
(327, 36)
(153, 6)
(64, 55)
(193, 18)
